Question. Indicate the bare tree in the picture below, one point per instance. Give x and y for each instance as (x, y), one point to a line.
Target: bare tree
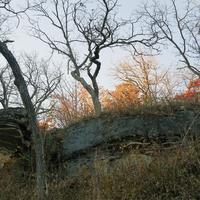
(7, 10)
(177, 25)
(170, 85)
(81, 34)
(41, 81)
(143, 72)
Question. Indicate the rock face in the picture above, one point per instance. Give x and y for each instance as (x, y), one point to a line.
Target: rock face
(110, 138)
(86, 135)
(13, 129)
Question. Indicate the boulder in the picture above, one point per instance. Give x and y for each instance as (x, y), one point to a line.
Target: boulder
(14, 134)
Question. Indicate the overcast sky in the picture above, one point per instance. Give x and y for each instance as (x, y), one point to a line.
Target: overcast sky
(111, 58)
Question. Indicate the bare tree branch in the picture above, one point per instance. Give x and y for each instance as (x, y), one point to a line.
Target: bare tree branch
(93, 29)
(41, 81)
(178, 27)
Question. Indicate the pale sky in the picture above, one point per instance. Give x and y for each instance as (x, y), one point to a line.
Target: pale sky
(24, 43)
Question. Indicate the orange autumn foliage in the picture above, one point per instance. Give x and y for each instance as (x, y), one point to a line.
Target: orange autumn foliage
(192, 93)
(71, 106)
(46, 124)
(124, 96)
(77, 104)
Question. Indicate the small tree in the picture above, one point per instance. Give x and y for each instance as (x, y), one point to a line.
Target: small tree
(70, 103)
(124, 97)
(143, 72)
(41, 81)
(91, 28)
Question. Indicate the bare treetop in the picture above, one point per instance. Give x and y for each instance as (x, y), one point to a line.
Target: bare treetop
(11, 13)
(41, 81)
(178, 26)
(81, 30)
(9, 7)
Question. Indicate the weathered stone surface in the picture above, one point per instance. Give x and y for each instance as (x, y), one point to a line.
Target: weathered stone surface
(13, 129)
(85, 135)
(15, 114)
(110, 138)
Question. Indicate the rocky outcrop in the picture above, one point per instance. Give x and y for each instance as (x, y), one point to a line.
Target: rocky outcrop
(111, 137)
(88, 134)
(14, 134)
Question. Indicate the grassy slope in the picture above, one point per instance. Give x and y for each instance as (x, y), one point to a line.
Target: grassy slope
(173, 173)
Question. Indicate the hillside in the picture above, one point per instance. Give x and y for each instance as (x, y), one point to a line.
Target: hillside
(145, 154)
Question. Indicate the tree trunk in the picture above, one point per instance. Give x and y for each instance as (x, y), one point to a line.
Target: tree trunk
(41, 183)
(94, 93)
(97, 105)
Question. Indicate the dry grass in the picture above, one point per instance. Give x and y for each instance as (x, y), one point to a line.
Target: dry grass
(158, 109)
(169, 174)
